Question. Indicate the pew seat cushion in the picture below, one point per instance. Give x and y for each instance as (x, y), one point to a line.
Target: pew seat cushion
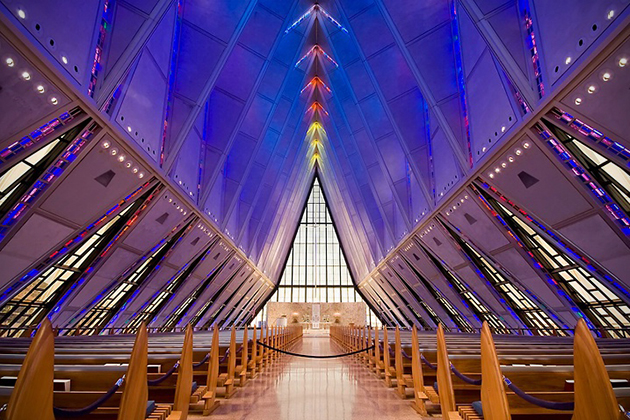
(150, 407)
(476, 405)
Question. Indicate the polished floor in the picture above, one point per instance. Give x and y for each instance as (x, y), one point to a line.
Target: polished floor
(296, 388)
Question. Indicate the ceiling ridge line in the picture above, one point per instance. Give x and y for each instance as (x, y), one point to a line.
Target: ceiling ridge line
(234, 133)
(369, 134)
(181, 136)
(406, 218)
(275, 103)
(335, 156)
(499, 51)
(419, 176)
(352, 135)
(294, 106)
(423, 86)
(121, 68)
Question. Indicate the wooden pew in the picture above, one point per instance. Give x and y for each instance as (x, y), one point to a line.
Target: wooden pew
(32, 396)
(210, 397)
(184, 379)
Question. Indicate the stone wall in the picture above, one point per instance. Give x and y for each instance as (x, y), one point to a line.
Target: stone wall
(350, 312)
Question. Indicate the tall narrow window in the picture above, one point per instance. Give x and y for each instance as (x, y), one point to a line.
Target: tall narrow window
(457, 318)
(614, 178)
(522, 306)
(15, 180)
(592, 296)
(57, 275)
(469, 298)
(316, 269)
(153, 306)
(110, 302)
(178, 313)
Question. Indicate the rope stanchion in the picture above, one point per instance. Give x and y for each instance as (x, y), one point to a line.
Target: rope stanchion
(465, 378)
(202, 361)
(551, 405)
(332, 356)
(78, 412)
(167, 375)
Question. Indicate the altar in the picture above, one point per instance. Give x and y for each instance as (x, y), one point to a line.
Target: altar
(318, 315)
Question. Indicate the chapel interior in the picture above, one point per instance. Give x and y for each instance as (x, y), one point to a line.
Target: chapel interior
(314, 209)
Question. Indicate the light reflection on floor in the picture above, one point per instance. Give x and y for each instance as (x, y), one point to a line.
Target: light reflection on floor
(299, 388)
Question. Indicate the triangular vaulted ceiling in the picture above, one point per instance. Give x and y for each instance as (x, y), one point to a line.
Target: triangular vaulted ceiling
(395, 101)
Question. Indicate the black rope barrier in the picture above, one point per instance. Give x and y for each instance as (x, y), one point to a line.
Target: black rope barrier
(426, 362)
(167, 375)
(463, 377)
(552, 405)
(331, 356)
(202, 361)
(78, 412)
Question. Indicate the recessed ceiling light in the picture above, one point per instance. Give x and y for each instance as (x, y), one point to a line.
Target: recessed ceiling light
(606, 77)
(503, 165)
(114, 152)
(510, 158)
(503, 129)
(526, 145)
(134, 170)
(54, 101)
(26, 75)
(567, 61)
(518, 152)
(611, 14)
(121, 158)
(578, 101)
(591, 89)
(41, 89)
(497, 169)
(105, 145)
(10, 62)
(21, 14)
(491, 175)
(64, 59)
(623, 61)
(141, 175)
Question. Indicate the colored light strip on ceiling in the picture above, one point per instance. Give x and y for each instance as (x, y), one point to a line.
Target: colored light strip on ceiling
(461, 80)
(533, 48)
(317, 107)
(316, 81)
(330, 18)
(315, 8)
(300, 19)
(106, 20)
(316, 49)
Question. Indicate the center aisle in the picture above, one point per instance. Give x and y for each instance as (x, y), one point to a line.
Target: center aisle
(297, 388)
